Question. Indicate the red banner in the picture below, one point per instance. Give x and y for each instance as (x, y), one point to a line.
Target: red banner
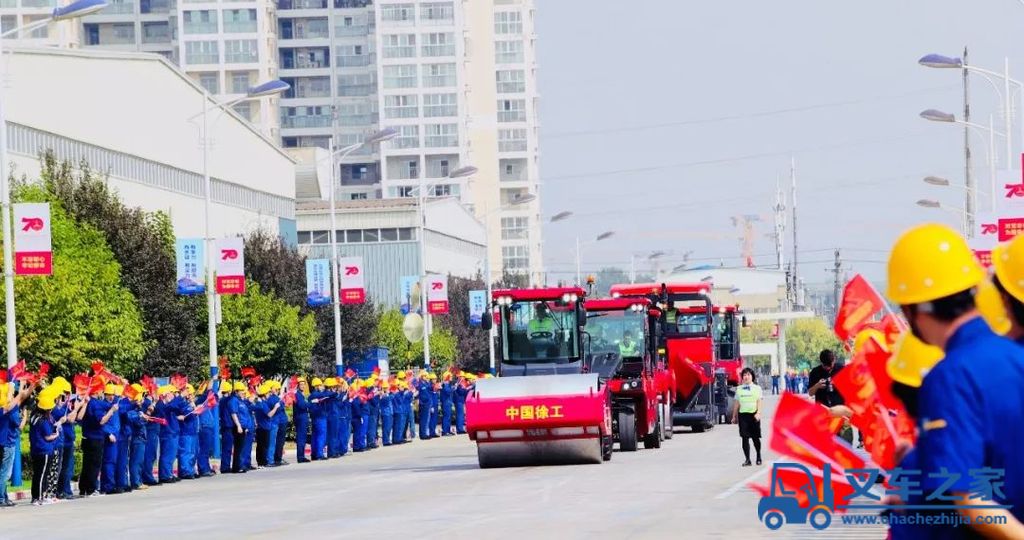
(859, 304)
(353, 283)
(1009, 228)
(33, 248)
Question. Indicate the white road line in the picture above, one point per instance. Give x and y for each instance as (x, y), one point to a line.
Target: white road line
(743, 483)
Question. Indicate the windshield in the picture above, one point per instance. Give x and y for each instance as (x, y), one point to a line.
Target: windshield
(723, 327)
(687, 317)
(616, 331)
(540, 332)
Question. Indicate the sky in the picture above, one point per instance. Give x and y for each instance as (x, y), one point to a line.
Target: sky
(662, 119)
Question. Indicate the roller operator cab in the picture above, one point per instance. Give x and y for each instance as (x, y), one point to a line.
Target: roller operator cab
(544, 407)
(622, 348)
(694, 336)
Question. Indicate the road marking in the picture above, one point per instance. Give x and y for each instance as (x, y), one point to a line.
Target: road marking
(743, 483)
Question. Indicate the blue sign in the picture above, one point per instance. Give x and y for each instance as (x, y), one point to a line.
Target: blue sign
(405, 287)
(477, 306)
(190, 265)
(318, 282)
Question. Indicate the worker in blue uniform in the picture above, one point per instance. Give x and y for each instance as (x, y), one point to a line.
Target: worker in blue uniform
(188, 439)
(207, 430)
(933, 275)
(1008, 263)
(281, 418)
(398, 411)
(97, 414)
(237, 411)
(318, 419)
(435, 405)
(112, 430)
(152, 441)
(358, 428)
(387, 414)
(300, 418)
(248, 417)
(333, 411)
(372, 417)
(72, 410)
(446, 393)
(460, 394)
(122, 479)
(424, 393)
(136, 419)
(344, 418)
(409, 434)
(227, 425)
(274, 408)
(169, 408)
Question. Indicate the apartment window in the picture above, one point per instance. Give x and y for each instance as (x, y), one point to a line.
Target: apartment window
(408, 137)
(511, 140)
(398, 13)
(244, 110)
(352, 56)
(240, 83)
(357, 197)
(201, 22)
(308, 29)
(400, 107)
(508, 23)
(154, 6)
(353, 236)
(445, 190)
(515, 257)
(511, 81)
(437, 13)
(8, 23)
(514, 228)
(155, 32)
(401, 191)
(441, 135)
(239, 20)
(406, 233)
(240, 51)
(358, 84)
(412, 169)
(511, 110)
(210, 81)
(403, 76)
(438, 75)
(305, 117)
(439, 44)
(201, 52)
(399, 45)
(440, 105)
(508, 52)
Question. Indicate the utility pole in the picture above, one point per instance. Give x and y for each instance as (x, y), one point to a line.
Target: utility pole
(792, 198)
(968, 177)
(837, 283)
(780, 230)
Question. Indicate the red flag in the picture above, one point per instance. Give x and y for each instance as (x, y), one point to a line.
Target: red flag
(376, 370)
(17, 371)
(859, 304)
(179, 381)
(81, 384)
(96, 384)
(349, 373)
(798, 483)
(248, 372)
(222, 367)
(158, 420)
(211, 400)
(3, 375)
(130, 392)
(44, 370)
(293, 383)
(97, 367)
(870, 413)
(150, 385)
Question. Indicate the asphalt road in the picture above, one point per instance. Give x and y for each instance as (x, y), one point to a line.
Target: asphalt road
(692, 487)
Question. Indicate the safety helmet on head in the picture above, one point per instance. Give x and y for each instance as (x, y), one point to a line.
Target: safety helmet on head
(48, 398)
(989, 302)
(62, 384)
(240, 386)
(1008, 262)
(317, 381)
(331, 382)
(112, 390)
(929, 262)
(912, 360)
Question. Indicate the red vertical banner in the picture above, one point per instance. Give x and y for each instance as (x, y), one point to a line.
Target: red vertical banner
(33, 247)
(984, 257)
(353, 281)
(1009, 228)
(437, 294)
(230, 266)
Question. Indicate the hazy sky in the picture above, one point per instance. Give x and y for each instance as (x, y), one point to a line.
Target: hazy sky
(660, 119)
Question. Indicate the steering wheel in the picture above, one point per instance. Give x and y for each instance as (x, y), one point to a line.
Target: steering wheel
(542, 335)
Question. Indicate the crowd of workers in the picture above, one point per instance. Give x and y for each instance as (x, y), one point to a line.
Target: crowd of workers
(132, 439)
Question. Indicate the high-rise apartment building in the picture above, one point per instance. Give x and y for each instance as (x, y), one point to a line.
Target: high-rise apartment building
(456, 78)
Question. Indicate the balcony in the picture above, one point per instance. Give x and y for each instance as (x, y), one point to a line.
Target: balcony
(357, 90)
(512, 146)
(441, 141)
(44, 3)
(154, 6)
(348, 31)
(239, 27)
(439, 50)
(302, 4)
(241, 57)
(202, 58)
(297, 122)
(358, 119)
(114, 8)
(209, 27)
(357, 60)
(406, 51)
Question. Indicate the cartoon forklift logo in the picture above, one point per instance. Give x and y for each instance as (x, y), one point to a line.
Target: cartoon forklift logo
(815, 505)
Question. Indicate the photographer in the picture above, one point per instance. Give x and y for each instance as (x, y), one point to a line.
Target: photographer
(824, 392)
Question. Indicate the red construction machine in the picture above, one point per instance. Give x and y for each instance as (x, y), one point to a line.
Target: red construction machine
(544, 408)
(701, 344)
(623, 350)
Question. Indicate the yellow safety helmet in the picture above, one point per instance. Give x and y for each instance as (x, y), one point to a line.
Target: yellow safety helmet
(331, 382)
(317, 381)
(929, 262)
(913, 360)
(62, 384)
(240, 386)
(166, 389)
(112, 389)
(1008, 262)
(262, 389)
(432, 376)
(401, 374)
(864, 335)
(48, 398)
(3, 393)
(225, 387)
(191, 389)
(139, 388)
(989, 302)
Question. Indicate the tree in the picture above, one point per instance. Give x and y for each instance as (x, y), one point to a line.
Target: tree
(143, 245)
(471, 342)
(403, 354)
(806, 338)
(757, 332)
(259, 329)
(82, 312)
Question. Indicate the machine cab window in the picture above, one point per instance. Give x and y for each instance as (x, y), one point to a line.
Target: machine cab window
(540, 331)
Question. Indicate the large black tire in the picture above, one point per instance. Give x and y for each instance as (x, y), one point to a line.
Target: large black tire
(653, 439)
(627, 432)
(606, 447)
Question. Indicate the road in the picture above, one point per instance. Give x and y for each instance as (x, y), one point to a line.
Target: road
(692, 487)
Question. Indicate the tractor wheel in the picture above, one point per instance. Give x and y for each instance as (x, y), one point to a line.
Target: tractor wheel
(606, 447)
(666, 420)
(653, 439)
(627, 432)
(698, 428)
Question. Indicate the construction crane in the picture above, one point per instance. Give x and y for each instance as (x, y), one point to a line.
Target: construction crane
(746, 223)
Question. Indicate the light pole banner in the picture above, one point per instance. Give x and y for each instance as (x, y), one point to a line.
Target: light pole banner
(191, 263)
(318, 282)
(353, 284)
(477, 306)
(231, 266)
(437, 294)
(33, 249)
(406, 286)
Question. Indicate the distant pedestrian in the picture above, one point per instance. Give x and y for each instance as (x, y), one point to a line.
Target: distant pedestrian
(775, 384)
(746, 411)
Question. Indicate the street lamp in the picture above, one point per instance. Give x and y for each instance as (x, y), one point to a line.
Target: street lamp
(529, 197)
(603, 236)
(262, 90)
(70, 11)
(461, 172)
(963, 214)
(939, 116)
(936, 181)
(335, 157)
(561, 216)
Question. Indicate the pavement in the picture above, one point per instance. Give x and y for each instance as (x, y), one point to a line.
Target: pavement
(692, 487)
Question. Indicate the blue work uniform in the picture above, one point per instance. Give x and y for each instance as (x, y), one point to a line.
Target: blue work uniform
(401, 405)
(371, 418)
(333, 410)
(966, 404)
(207, 431)
(272, 426)
(67, 463)
(108, 474)
(248, 421)
(42, 451)
(410, 416)
(281, 419)
(122, 478)
(92, 453)
(447, 401)
(137, 440)
(435, 406)
(387, 418)
(358, 428)
(152, 443)
(225, 407)
(318, 419)
(460, 394)
(425, 393)
(169, 435)
(344, 423)
(300, 417)
(188, 441)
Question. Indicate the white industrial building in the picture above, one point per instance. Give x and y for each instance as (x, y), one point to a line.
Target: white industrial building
(128, 115)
